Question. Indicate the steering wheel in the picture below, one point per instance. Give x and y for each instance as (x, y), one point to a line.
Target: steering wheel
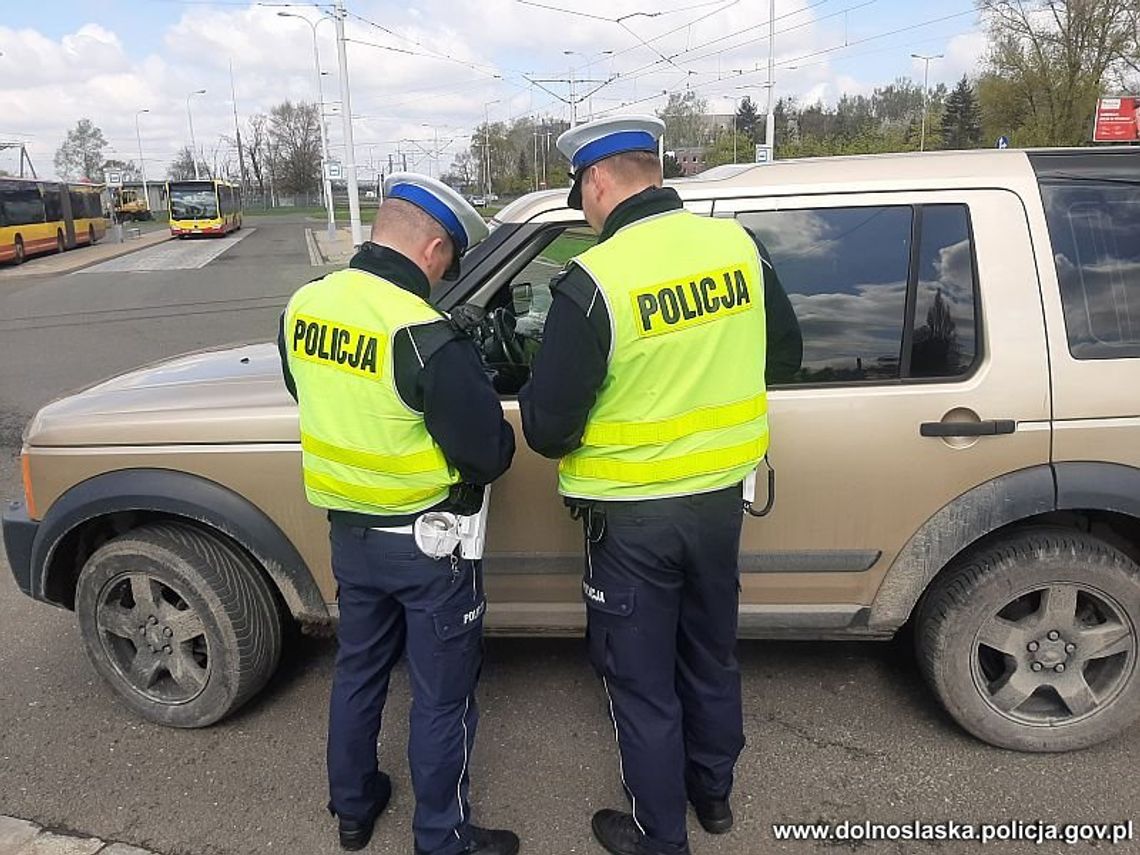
(503, 324)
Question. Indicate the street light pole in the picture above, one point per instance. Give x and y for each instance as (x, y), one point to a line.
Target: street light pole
(770, 124)
(925, 94)
(487, 148)
(190, 120)
(142, 164)
(346, 115)
(237, 128)
(325, 180)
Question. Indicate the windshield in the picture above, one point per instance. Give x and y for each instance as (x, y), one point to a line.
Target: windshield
(193, 202)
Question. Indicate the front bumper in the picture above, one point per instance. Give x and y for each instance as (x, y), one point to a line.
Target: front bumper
(19, 533)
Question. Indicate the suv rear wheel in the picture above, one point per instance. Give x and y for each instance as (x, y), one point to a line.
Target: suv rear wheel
(1031, 643)
(181, 624)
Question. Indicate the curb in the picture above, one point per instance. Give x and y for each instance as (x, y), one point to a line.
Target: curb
(315, 258)
(31, 268)
(21, 837)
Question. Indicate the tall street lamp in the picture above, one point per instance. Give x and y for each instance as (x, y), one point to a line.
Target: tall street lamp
(321, 114)
(190, 119)
(142, 163)
(487, 148)
(925, 93)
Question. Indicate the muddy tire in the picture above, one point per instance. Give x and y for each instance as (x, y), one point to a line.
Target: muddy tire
(1031, 643)
(181, 624)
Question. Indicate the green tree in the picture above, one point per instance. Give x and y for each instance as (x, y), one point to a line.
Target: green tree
(684, 117)
(670, 167)
(1057, 57)
(80, 155)
(723, 152)
(962, 118)
(748, 120)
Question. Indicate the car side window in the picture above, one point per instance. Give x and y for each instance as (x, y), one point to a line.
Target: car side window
(944, 332)
(1095, 230)
(881, 294)
(845, 272)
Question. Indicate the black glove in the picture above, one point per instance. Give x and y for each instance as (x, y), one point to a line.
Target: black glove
(465, 499)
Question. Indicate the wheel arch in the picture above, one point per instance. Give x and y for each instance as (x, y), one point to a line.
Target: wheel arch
(1100, 498)
(108, 505)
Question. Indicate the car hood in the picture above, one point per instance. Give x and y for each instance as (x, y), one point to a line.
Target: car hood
(222, 396)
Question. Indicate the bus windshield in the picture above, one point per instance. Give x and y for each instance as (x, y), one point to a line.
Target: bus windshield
(193, 201)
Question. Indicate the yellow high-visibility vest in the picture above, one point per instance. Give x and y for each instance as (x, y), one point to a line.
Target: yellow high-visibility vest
(363, 449)
(683, 408)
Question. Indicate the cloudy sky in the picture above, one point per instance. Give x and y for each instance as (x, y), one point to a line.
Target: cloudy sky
(423, 72)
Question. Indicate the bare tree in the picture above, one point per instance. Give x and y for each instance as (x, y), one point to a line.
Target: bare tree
(1054, 58)
(182, 167)
(295, 132)
(256, 149)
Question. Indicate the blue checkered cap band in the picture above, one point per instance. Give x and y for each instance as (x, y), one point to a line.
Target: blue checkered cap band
(434, 207)
(612, 144)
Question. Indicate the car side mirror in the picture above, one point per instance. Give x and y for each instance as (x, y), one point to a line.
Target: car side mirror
(522, 296)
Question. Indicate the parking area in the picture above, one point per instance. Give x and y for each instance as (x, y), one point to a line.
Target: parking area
(836, 731)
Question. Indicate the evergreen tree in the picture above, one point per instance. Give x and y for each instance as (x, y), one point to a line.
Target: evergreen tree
(962, 118)
(747, 119)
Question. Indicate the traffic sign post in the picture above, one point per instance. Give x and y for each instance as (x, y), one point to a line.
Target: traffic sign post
(333, 171)
(1003, 142)
(764, 153)
(113, 179)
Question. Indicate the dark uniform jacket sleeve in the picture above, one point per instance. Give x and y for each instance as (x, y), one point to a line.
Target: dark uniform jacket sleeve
(439, 373)
(570, 366)
(785, 342)
(283, 349)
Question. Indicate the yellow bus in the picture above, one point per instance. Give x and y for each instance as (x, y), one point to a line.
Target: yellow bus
(208, 207)
(47, 216)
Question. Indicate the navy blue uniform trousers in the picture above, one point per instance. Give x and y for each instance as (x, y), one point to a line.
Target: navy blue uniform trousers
(395, 600)
(662, 592)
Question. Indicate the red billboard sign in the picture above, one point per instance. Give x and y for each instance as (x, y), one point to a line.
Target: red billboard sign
(1116, 120)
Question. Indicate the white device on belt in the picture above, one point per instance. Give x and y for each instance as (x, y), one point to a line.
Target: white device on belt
(437, 533)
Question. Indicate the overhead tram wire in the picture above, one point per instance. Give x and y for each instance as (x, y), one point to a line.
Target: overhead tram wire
(653, 68)
(795, 61)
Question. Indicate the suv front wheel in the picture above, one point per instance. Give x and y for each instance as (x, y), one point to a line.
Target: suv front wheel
(181, 624)
(1031, 643)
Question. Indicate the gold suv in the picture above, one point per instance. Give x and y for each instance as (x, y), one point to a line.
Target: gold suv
(957, 449)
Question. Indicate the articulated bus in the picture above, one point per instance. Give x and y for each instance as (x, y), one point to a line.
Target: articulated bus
(47, 216)
(207, 207)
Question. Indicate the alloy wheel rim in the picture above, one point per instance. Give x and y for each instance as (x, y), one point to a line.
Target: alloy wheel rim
(1054, 654)
(153, 638)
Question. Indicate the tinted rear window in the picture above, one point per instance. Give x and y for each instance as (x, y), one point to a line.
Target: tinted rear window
(1094, 226)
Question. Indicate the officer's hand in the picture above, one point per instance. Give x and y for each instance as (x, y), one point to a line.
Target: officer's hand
(467, 317)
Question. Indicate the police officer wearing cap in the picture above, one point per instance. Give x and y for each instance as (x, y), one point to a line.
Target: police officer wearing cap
(650, 387)
(397, 419)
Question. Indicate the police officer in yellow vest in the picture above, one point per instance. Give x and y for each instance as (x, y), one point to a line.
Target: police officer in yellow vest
(650, 388)
(397, 420)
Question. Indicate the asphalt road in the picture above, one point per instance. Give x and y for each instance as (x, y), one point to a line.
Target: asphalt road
(835, 731)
